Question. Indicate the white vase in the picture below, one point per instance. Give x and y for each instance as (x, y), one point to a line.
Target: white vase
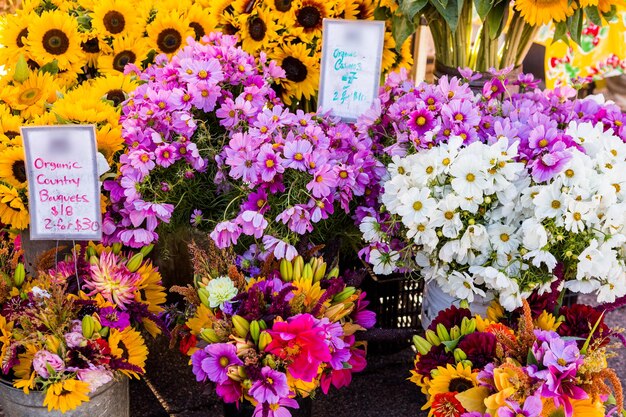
(434, 300)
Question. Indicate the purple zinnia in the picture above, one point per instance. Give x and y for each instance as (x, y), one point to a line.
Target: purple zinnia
(271, 387)
(110, 317)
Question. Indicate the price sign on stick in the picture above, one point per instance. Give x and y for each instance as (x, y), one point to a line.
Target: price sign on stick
(352, 53)
(63, 183)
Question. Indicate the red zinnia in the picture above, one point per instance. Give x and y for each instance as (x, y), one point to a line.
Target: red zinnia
(446, 405)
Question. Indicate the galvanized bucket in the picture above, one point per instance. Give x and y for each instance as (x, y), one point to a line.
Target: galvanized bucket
(110, 400)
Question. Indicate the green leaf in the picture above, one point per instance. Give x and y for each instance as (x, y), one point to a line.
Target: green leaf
(21, 70)
(451, 344)
(401, 28)
(575, 23)
(412, 7)
(593, 14)
(560, 33)
(495, 19)
(51, 67)
(450, 12)
(380, 13)
(531, 359)
(483, 7)
(583, 350)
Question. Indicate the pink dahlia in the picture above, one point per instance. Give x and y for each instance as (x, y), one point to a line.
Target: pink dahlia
(113, 280)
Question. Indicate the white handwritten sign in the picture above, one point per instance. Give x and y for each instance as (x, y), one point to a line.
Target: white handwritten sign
(352, 53)
(63, 183)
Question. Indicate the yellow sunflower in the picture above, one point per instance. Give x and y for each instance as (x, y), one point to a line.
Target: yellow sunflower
(13, 211)
(24, 372)
(541, 12)
(12, 167)
(309, 17)
(116, 18)
(547, 321)
(392, 5)
(605, 5)
(402, 59)
(221, 11)
(301, 69)
(6, 329)
(113, 88)
(129, 346)
(203, 319)
(451, 379)
(54, 36)
(151, 291)
(283, 11)
(109, 141)
(310, 292)
(169, 32)
(30, 97)
(126, 50)
(85, 109)
(257, 31)
(9, 126)
(241, 7)
(585, 408)
(93, 46)
(389, 52)
(13, 34)
(359, 9)
(200, 21)
(66, 395)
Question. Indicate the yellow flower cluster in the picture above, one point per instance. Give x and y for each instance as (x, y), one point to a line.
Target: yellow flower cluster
(542, 12)
(290, 32)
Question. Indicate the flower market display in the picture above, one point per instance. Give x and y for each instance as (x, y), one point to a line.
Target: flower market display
(532, 363)
(77, 325)
(280, 333)
(497, 197)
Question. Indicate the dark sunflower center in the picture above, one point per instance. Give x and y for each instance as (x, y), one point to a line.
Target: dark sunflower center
(247, 8)
(309, 17)
(30, 96)
(91, 46)
(10, 134)
(19, 171)
(116, 96)
(33, 65)
(23, 34)
(295, 70)
(114, 22)
(282, 5)
(229, 29)
(460, 385)
(169, 40)
(257, 28)
(198, 30)
(56, 42)
(122, 59)
(124, 349)
(364, 12)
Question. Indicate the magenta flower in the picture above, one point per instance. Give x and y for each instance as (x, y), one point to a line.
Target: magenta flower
(141, 160)
(271, 387)
(226, 234)
(257, 201)
(193, 71)
(548, 165)
(268, 163)
(204, 95)
(295, 153)
(421, 120)
(196, 218)
(219, 357)
(110, 317)
(323, 180)
(230, 391)
(532, 408)
(165, 155)
(298, 219)
(275, 410)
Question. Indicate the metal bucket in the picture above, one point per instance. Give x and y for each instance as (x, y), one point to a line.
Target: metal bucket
(110, 400)
(435, 300)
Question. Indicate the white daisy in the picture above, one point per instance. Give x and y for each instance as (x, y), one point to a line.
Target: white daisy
(423, 234)
(415, 206)
(424, 169)
(577, 215)
(370, 227)
(383, 263)
(461, 285)
(550, 202)
(447, 217)
(469, 176)
(504, 239)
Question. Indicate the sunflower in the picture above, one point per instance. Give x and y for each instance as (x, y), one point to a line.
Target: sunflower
(12, 209)
(389, 52)
(587, 408)
(126, 50)
(402, 59)
(9, 127)
(24, 372)
(202, 319)
(113, 88)
(283, 11)
(309, 17)
(392, 5)
(30, 97)
(200, 21)
(359, 9)
(6, 329)
(12, 167)
(13, 34)
(116, 18)
(605, 5)
(221, 11)
(257, 31)
(310, 291)
(541, 12)
(302, 72)
(54, 36)
(547, 321)
(451, 379)
(169, 32)
(93, 46)
(129, 346)
(66, 395)
(109, 140)
(150, 291)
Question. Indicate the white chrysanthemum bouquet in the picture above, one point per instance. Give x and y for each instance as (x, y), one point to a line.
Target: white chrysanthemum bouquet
(480, 220)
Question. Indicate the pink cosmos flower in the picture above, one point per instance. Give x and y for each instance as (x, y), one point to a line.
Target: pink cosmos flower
(268, 163)
(271, 387)
(323, 180)
(219, 357)
(295, 153)
(280, 248)
(226, 234)
(141, 160)
(204, 95)
(275, 410)
(229, 391)
(165, 155)
(252, 223)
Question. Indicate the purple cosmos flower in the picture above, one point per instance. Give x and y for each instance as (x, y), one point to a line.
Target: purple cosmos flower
(229, 391)
(141, 160)
(219, 357)
(110, 317)
(548, 165)
(204, 95)
(226, 234)
(257, 201)
(271, 387)
(165, 155)
(280, 248)
(196, 364)
(193, 71)
(295, 153)
(323, 180)
(532, 408)
(196, 218)
(252, 223)
(275, 410)
(268, 163)
(562, 355)
(298, 219)
(421, 121)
